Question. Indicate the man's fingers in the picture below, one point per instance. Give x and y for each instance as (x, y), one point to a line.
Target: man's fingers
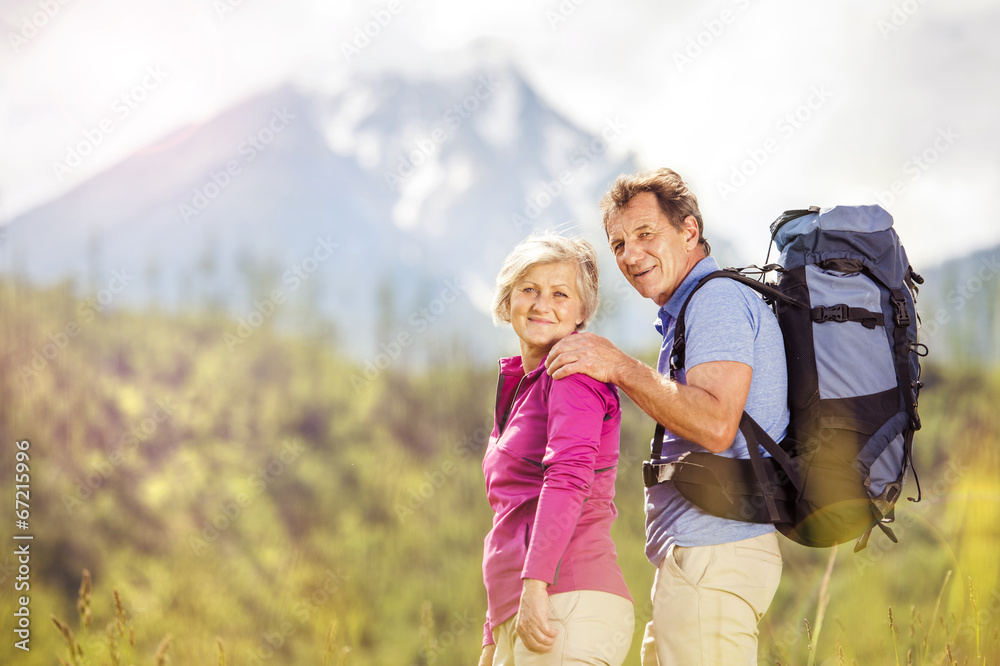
(563, 370)
(567, 365)
(554, 363)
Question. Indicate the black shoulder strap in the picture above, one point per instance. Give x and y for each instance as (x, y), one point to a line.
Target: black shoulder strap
(755, 436)
(677, 352)
(770, 294)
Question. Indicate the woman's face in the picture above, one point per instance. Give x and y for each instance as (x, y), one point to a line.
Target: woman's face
(545, 306)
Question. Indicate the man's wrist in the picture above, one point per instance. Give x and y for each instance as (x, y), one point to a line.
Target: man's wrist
(623, 370)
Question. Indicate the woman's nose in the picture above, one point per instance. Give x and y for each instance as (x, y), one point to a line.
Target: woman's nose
(542, 304)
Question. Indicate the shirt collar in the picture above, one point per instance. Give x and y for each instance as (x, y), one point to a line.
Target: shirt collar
(672, 308)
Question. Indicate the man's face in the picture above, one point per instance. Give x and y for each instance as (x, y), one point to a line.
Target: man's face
(652, 254)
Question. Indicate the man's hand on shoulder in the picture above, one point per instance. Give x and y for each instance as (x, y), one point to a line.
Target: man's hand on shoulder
(588, 354)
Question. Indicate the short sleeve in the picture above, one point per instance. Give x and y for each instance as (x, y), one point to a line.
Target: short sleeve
(721, 324)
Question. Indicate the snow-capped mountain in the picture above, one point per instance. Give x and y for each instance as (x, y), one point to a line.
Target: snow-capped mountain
(385, 209)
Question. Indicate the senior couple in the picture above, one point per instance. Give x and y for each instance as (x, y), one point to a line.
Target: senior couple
(555, 592)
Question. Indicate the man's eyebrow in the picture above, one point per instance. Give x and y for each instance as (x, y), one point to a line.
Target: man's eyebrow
(616, 238)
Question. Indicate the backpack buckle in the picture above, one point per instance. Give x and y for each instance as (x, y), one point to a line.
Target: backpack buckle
(839, 312)
(649, 474)
(902, 315)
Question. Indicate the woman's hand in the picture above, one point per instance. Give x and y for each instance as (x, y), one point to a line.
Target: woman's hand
(486, 658)
(532, 621)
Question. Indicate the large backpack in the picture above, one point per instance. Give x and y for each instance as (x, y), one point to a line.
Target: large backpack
(845, 304)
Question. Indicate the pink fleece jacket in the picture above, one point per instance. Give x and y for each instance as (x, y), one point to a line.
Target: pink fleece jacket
(550, 477)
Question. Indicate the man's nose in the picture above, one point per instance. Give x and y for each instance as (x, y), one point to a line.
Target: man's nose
(630, 254)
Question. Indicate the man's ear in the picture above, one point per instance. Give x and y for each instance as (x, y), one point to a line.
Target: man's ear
(691, 231)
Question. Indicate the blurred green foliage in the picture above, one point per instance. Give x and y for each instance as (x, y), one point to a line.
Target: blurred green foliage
(253, 493)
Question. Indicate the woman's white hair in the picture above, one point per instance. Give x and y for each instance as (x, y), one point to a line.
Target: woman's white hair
(548, 247)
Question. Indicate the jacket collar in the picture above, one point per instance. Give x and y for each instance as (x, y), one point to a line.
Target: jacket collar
(513, 367)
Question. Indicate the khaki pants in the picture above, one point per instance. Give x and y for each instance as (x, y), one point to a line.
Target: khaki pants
(707, 601)
(594, 628)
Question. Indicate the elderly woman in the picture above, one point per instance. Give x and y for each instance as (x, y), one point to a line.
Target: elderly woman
(555, 592)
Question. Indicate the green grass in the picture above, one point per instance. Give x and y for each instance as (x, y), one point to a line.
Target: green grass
(255, 507)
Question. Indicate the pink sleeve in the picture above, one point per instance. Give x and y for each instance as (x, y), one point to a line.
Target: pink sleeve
(577, 405)
(487, 635)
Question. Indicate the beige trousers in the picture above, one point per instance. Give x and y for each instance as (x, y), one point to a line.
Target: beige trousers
(595, 628)
(707, 601)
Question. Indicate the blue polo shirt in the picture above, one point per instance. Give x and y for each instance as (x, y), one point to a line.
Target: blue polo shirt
(725, 321)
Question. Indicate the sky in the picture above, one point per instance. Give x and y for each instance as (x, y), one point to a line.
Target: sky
(761, 105)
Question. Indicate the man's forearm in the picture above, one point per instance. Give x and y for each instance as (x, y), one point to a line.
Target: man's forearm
(687, 411)
(705, 410)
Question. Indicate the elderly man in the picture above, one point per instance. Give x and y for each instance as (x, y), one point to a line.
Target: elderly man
(715, 577)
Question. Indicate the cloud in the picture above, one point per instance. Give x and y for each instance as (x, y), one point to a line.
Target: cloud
(705, 87)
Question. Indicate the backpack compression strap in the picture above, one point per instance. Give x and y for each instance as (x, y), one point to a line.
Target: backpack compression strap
(911, 385)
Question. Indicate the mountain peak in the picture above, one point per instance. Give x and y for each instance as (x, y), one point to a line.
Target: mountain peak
(419, 183)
